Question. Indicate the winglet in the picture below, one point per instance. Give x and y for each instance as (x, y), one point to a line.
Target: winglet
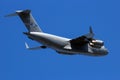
(26, 45)
(34, 48)
(90, 34)
(91, 31)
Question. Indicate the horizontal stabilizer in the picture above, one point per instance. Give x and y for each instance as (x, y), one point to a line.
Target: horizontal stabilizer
(10, 15)
(16, 13)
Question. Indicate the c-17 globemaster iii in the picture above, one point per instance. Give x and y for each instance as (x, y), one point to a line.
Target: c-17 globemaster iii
(84, 44)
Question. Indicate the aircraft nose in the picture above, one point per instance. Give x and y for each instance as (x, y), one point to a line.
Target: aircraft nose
(105, 52)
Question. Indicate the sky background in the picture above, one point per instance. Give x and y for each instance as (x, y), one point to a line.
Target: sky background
(67, 18)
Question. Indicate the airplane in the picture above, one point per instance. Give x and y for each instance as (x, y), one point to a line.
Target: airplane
(85, 44)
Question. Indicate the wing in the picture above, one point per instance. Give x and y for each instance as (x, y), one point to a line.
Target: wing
(82, 40)
(34, 48)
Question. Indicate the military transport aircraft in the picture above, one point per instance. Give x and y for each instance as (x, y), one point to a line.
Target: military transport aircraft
(84, 44)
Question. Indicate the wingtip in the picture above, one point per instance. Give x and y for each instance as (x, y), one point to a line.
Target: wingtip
(91, 31)
(26, 45)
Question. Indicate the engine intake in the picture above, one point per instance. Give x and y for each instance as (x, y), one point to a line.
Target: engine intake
(96, 43)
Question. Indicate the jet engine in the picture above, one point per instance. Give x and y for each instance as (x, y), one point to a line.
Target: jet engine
(96, 43)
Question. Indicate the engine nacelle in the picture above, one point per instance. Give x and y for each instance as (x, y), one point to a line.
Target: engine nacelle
(96, 43)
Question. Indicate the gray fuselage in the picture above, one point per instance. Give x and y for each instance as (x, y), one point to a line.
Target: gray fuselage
(58, 43)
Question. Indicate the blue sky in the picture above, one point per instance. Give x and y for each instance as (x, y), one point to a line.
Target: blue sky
(68, 18)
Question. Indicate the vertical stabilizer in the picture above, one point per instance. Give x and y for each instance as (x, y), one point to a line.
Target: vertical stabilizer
(28, 20)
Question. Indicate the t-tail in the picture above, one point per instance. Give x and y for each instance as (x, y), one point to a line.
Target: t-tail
(28, 20)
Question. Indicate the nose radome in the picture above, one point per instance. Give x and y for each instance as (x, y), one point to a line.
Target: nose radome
(106, 52)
